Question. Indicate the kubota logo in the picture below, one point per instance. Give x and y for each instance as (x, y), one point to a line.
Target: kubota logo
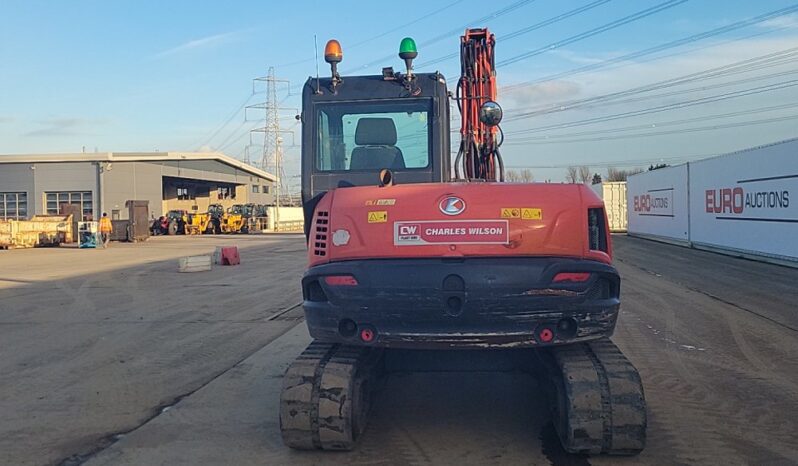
(452, 205)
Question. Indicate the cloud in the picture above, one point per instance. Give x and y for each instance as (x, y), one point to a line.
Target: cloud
(51, 127)
(542, 93)
(6, 119)
(203, 42)
(582, 59)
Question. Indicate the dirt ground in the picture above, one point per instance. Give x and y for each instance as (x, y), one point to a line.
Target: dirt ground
(111, 357)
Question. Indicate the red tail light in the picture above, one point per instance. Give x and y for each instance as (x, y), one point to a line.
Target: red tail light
(577, 277)
(340, 280)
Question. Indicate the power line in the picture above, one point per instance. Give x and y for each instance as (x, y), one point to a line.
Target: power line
(595, 31)
(744, 66)
(382, 34)
(659, 124)
(241, 136)
(403, 26)
(662, 133)
(226, 122)
(662, 108)
(453, 32)
(659, 48)
(225, 140)
(618, 163)
(527, 29)
(698, 48)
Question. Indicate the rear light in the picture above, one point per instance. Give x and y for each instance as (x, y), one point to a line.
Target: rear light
(597, 229)
(340, 280)
(573, 277)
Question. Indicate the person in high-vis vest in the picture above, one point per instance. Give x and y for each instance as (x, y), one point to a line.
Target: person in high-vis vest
(106, 228)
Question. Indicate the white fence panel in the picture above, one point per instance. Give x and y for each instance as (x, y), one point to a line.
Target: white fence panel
(747, 201)
(657, 203)
(291, 218)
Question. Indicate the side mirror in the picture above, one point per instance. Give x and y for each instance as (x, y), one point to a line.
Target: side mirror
(490, 113)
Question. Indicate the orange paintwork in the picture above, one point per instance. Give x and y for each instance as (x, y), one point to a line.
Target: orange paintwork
(366, 220)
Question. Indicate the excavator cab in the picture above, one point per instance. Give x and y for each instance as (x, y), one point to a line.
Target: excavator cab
(354, 128)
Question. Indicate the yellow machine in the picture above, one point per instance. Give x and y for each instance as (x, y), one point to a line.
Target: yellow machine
(197, 224)
(234, 221)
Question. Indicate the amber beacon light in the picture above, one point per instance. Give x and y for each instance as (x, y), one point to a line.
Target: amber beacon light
(333, 52)
(333, 55)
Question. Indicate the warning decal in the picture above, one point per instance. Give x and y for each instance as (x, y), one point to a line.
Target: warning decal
(451, 232)
(531, 214)
(524, 213)
(378, 216)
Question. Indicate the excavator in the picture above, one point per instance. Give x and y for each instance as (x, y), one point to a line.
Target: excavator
(409, 250)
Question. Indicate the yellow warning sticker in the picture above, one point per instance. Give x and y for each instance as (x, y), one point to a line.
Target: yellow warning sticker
(524, 213)
(378, 216)
(532, 214)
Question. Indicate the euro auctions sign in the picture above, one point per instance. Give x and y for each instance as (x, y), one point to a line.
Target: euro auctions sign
(747, 201)
(766, 203)
(419, 233)
(655, 203)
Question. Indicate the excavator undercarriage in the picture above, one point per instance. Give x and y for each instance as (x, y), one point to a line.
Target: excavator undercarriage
(596, 395)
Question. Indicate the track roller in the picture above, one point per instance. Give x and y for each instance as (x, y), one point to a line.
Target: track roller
(326, 396)
(600, 406)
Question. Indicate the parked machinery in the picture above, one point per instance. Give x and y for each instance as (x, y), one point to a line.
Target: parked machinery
(197, 223)
(176, 222)
(256, 216)
(216, 214)
(403, 255)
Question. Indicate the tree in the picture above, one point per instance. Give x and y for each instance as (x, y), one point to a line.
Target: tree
(571, 174)
(584, 174)
(596, 178)
(519, 176)
(614, 174)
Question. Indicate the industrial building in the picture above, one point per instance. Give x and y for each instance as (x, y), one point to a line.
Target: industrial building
(35, 184)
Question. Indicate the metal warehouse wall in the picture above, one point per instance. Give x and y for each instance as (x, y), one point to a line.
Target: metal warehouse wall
(657, 203)
(60, 177)
(125, 181)
(744, 203)
(18, 178)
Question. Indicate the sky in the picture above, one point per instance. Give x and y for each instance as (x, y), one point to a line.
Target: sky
(175, 76)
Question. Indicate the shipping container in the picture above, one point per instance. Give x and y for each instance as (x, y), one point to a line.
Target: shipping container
(614, 195)
(658, 204)
(737, 203)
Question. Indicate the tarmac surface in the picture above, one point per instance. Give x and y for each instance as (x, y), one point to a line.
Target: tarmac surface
(112, 357)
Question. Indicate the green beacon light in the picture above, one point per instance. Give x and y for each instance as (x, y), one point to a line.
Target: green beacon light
(407, 52)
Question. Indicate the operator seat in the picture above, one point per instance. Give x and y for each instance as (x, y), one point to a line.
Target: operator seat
(375, 139)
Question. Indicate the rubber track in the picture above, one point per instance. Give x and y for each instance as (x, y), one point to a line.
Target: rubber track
(326, 396)
(601, 405)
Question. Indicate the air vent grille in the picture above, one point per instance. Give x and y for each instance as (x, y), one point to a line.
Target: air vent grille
(320, 233)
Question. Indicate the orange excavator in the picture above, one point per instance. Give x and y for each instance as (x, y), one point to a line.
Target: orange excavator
(403, 254)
